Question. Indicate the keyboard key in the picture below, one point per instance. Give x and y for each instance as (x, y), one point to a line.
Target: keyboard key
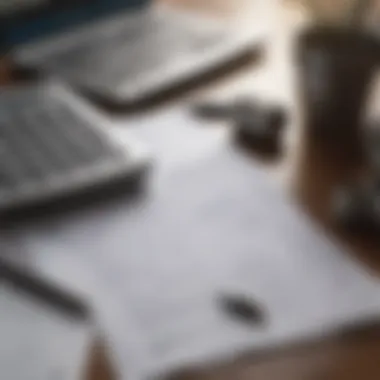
(12, 171)
(31, 156)
(91, 144)
(133, 51)
(49, 140)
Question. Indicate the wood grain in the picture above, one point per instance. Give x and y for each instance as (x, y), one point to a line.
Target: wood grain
(99, 366)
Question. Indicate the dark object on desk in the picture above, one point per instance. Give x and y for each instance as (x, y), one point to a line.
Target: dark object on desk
(356, 207)
(336, 68)
(243, 309)
(121, 55)
(32, 285)
(352, 207)
(45, 333)
(260, 125)
(54, 147)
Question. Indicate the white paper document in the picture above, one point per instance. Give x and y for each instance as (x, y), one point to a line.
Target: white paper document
(156, 270)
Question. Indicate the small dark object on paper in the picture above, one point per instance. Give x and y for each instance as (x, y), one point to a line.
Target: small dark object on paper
(243, 309)
(260, 125)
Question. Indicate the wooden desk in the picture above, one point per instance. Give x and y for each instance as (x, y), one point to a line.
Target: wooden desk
(307, 172)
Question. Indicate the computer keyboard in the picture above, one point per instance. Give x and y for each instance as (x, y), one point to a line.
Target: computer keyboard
(50, 146)
(135, 50)
(154, 51)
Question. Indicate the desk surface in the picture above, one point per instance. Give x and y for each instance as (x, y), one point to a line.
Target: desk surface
(308, 173)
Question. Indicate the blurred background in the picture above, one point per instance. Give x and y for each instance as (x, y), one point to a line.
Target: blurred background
(130, 119)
